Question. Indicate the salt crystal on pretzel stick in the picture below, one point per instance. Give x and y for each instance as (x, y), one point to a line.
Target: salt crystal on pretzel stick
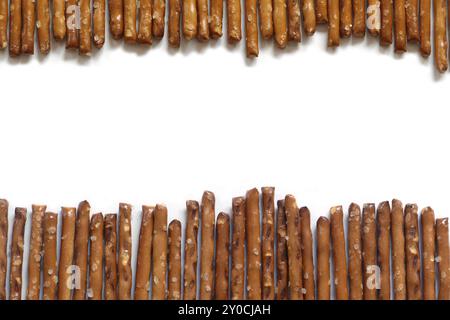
(253, 236)
(72, 38)
(282, 255)
(28, 26)
(159, 13)
(16, 260)
(124, 263)
(294, 20)
(50, 277)
(384, 249)
(369, 252)
(174, 23)
(222, 256)
(321, 9)
(359, 18)
(145, 22)
(115, 9)
(99, 23)
(251, 29)
(3, 24)
(234, 29)
(42, 25)
(307, 254)
(268, 234)
(215, 26)
(238, 249)
(387, 17)
(174, 286)
(354, 246)
(428, 253)
(280, 23)
(400, 26)
(80, 254)
(323, 258)
(191, 250)
(440, 35)
(398, 250)
(339, 253)
(3, 246)
(444, 261)
(333, 23)
(346, 18)
(207, 246)
(15, 27)
(85, 28)
(412, 253)
(412, 20)
(265, 18)
(203, 26)
(129, 21)
(96, 257)
(110, 235)
(189, 19)
(159, 254)
(59, 19)
(67, 273)
(425, 28)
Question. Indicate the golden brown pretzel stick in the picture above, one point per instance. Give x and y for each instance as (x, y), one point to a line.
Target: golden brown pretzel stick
(99, 23)
(66, 271)
(35, 252)
(234, 29)
(428, 253)
(294, 20)
(96, 258)
(294, 248)
(425, 27)
(369, 253)
(346, 19)
(440, 35)
(354, 252)
(444, 261)
(15, 268)
(412, 252)
(373, 17)
(251, 29)
(85, 27)
(282, 255)
(3, 246)
(309, 17)
(384, 246)
(191, 251)
(222, 256)
(50, 279)
(323, 258)
(238, 249)
(15, 27)
(159, 13)
(307, 254)
(174, 23)
(339, 254)
(72, 39)
(124, 263)
(207, 246)
(42, 25)
(159, 252)
(115, 9)
(189, 19)
(174, 286)
(280, 23)
(202, 15)
(412, 20)
(145, 22)
(333, 23)
(387, 17)
(253, 237)
(59, 19)
(4, 24)
(400, 26)
(265, 18)
(110, 235)
(28, 25)
(144, 257)
(359, 18)
(215, 26)
(129, 21)
(321, 10)
(80, 253)
(398, 250)
(268, 234)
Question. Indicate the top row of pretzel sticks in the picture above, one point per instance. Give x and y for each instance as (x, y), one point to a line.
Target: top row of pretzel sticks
(96, 250)
(81, 23)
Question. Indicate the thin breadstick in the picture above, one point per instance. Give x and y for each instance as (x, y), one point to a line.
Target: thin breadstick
(321, 11)
(191, 250)
(80, 253)
(333, 23)
(72, 37)
(96, 257)
(339, 254)
(307, 254)
(268, 232)
(110, 234)
(398, 250)
(145, 22)
(294, 248)
(251, 29)
(174, 287)
(346, 19)
(412, 20)
(144, 256)
(202, 15)
(428, 253)
(66, 270)
(309, 16)
(85, 28)
(174, 23)
(129, 21)
(282, 255)
(99, 23)
(400, 26)
(159, 252)
(384, 246)
(323, 258)
(59, 19)
(50, 278)
(15, 27)
(124, 263)
(42, 25)
(190, 19)
(16, 261)
(215, 26)
(354, 252)
(115, 9)
(28, 26)
(159, 14)
(35, 252)
(3, 246)
(444, 261)
(265, 18)
(412, 252)
(238, 249)
(222, 256)
(253, 237)
(4, 24)
(280, 23)
(359, 18)
(207, 246)
(387, 17)
(294, 20)
(440, 35)
(425, 28)
(234, 29)
(369, 253)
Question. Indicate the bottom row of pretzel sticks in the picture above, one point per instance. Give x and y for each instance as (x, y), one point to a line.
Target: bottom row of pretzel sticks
(270, 252)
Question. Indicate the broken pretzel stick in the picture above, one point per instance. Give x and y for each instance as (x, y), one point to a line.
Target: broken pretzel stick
(66, 269)
(444, 261)
(50, 278)
(323, 258)
(124, 263)
(280, 23)
(191, 250)
(398, 250)
(80, 254)
(145, 22)
(222, 256)
(4, 206)
(234, 29)
(440, 35)
(238, 249)
(207, 245)
(412, 253)
(43, 25)
(110, 235)
(428, 253)
(251, 29)
(96, 258)
(384, 247)
(99, 23)
(339, 254)
(174, 286)
(159, 252)
(268, 234)
(115, 9)
(307, 254)
(369, 252)
(16, 263)
(354, 252)
(282, 255)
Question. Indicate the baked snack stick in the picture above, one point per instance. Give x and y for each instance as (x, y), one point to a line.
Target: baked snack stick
(42, 25)
(159, 252)
(282, 255)
(50, 278)
(191, 251)
(129, 21)
(4, 24)
(373, 17)
(115, 9)
(216, 17)
(346, 19)
(238, 249)
(309, 16)
(412, 253)
(323, 258)
(190, 19)
(333, 23)
(203, 25)
(66, 272)
(3, 246)
(99, 23)
(359, 18)
(280, 23)
(174, 23)
(444, 261)
(207, 245)
(265, 18)
(85, 28)
(440, 35)
(124, 264)
(354, 246)
(307, 254)
(400, 26)
(339, 253)
(428, 253)
(398, 250)
(59, 19)
(80, 254)
(369, 253)
(294, 248)
(28, 26)
(251, 29)
(144, 256)
(159, 13)
(96, 257)
(253, 237)
(294, 20)
(425, 28)
(15, 27)
(412, 20)
(268, 235)
(72, 37)
(321, 9)
(234, 29)
(384, 247)
(387, 17)
(222, 256)
(35, 252)
(174, 286)
(110, 235)
(145, 22)
(16, 261)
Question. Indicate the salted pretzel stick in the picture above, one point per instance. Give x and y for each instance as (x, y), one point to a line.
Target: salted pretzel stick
(144, 257)
(412, 252)
(50, 278)
(174, 23)
(265, 18)
(234, 29)
(59, 19)
(444, 261)
(110, 234)
(189, 19)
(294, 20)
(321, 9)
(307, 254)
(251, 29)
(238, 249)
(369, 252)
(412, 20)
(354, 252)
(15, 276)
(215, 26)
(129, 21)
(268, 234)
(384, 246)
(339, 254)
(99, 23)
(222, 256)
(373, 17)
(15, 27)
(96, 257)
(203, 26)
(3, 246)
(124, 263)
(294, 248)
(4, 24)
(80, 253)
(398, 250)
(72, 39)
(145, 22)
(309, 17)
(346, 19)
(28, 25)
(400, 26)
(174, 286)
(159, 252)
(35, 252)
(425, 28)
(428, 253)
(280, 23)
(207, 245)
(42, 25)
(252, 232)
(65, 271)
(359, 18)
(440, 35)
(333, 23)
(323, 258)
(85, 28)
(191, 251)
(159, 13)
(115, 9)
(387, 16)
(282, 255)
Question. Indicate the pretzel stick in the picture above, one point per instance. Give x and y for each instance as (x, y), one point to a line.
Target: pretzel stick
(294, 248)
(412, 253)
(294, 20)
(425, 26)
(400, 26)
(321, 11)
(80, 254)
(96, 257)
(265, 18)
(373, 17)
(253, 236)
(412, 20)
(159, 252)
(234, 29)
(110, 234)
(50, 278)
(251, 29)
(207, 246)
(222, 256)
(282, 255)
(202, 14)
(72, 39)
(28, 25)
(440, 35)
(346, 18)
(174, 260)
(444, 261)
(384, 246)
(144, 257)
(65, 272)
(99, 23)
(59, 19)
(4, 24)
(35, 252)
(386, 22)
(238, 249)
(191, 251)
(85, 28)
(124, 263)
(307, 254)
(15, 276)
(369, 252)
(323, 258)
(145, 22)
(190, 19)
(174, 23)
(359, 18)
(215, 26)
(3, 246)
(268, 232)
(428, 254)
(159, 13)
(354, 252)
(333, 23)
(42, 25)
(398, 250)
(15, 27)
(280, 23)
(129, 20)
(115, 9)
(339, 254)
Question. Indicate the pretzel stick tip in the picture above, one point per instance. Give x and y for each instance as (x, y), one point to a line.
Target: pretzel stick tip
(129, 21)
(80, 255)
(280, 23)
(125, 243)
(440, 35)
(99, 23)
(412, 253)
(428, 253)
(359, 18)
(444, 261)
(16, 261)
(216, 17)
(174, 23)
(159, 252)
(203, 25)
(115, 9)
(339, 253)
(373, 17)
(159, 13)
(222, 256)
(59, 19)
(85, 28)
(282, 255)
(15, 27)
(412, 20)
(323, 258)
(4, 24)
(207, 245)
(110, 235)
(398, 250)
(321, 9)
(251, 29)
(43, 25)
(72, 36)
(4, 206)
(144, 35)
(238, 249)
(425, 28)
(28, 27)
(174, 275)
(191, 250)
(293, 7)
(400, 26)
(307, 254)
(234, 29)
(333, 23)
(189, 19)
(354, 252)
(387, 17)
(96, 257)
(50, 278)
(265, 18)
(268, 234)
(384, 246)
